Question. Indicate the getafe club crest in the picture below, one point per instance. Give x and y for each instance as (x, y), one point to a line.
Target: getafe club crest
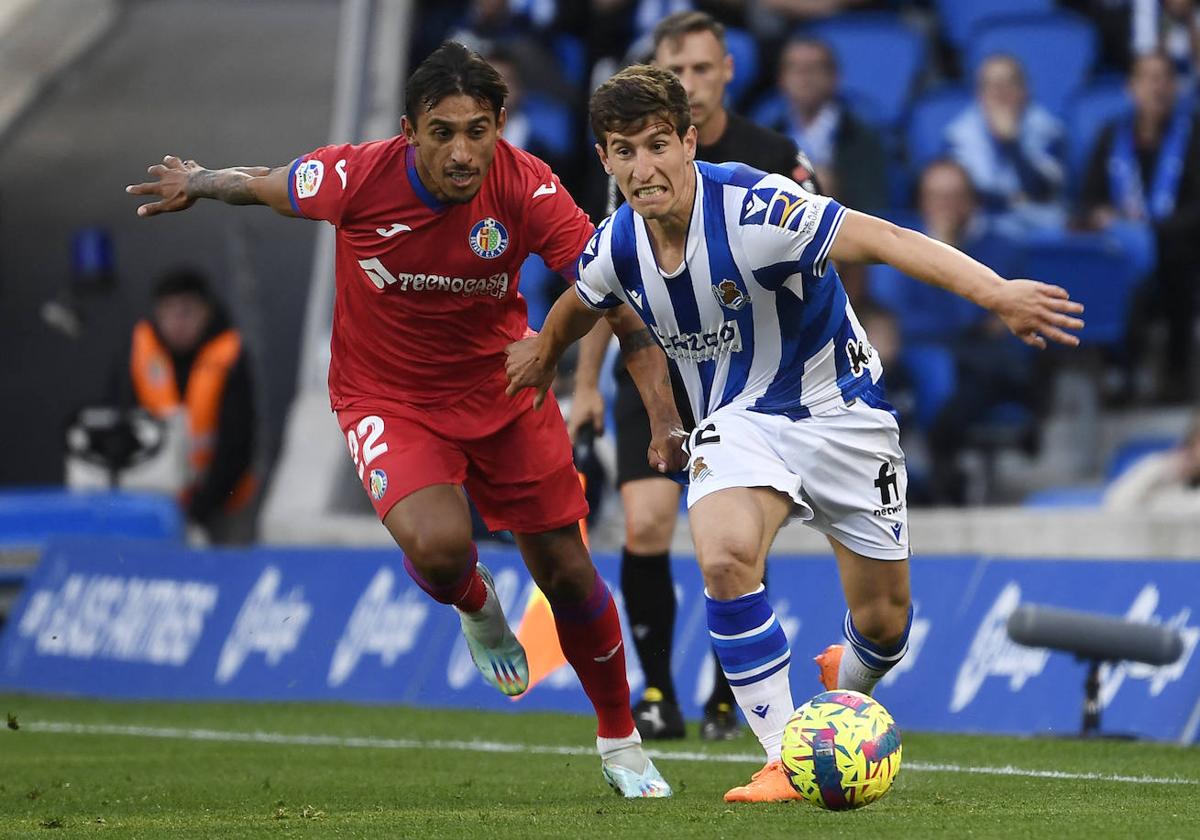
(488, 238)
(378, 481)
(729, 295)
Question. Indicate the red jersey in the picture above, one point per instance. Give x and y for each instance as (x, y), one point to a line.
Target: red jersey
(426, 293)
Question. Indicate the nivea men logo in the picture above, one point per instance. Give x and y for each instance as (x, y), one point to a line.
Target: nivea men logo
(268, 623)
(379, 626)
(993, 654)
(134, 619)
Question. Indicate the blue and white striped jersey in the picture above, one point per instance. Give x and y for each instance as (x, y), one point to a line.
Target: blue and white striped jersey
(753, 317)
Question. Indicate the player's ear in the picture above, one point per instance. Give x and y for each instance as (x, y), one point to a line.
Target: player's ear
(728, 66)
(501, 120)
(410, 130)
(603, 159)
(689, 144)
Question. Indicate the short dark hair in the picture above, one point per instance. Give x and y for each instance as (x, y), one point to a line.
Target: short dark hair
(452, 70)
(673, 27)
(802, 40)
(634, 97)
(183, 280)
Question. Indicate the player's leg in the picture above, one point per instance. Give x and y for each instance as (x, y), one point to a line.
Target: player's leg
(412, 477)
(878, 619)
(522, 479)
(651, 505)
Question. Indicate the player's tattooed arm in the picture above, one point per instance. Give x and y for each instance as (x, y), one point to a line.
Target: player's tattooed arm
(180, 183)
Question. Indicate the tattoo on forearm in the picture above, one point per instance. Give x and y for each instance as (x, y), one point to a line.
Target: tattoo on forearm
(229, 185)
(635, 341)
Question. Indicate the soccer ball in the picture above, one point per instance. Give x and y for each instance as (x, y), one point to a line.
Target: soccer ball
(841, 750)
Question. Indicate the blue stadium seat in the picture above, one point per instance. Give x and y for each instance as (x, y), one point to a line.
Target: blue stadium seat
(960, 17)
(927, 122)
(1134, 450)
(770, 110)
(1057, 52)
(550, 122)
(1086, 496)
(935, 377)
(744, 49)
(571, 55)
(1090, 111)
(879, 59)
(1096, 269)
(925, 313)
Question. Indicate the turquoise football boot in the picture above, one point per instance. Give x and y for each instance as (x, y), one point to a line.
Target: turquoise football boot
(494, 648)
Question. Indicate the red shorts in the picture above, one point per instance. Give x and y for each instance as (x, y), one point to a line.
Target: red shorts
(521, 476)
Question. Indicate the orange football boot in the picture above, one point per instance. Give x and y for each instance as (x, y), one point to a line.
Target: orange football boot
(829, 660)
(769, 784)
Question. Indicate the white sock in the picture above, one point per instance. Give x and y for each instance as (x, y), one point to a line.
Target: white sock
(854, 675)
(767, 705)
(623, 752)
(488, 625)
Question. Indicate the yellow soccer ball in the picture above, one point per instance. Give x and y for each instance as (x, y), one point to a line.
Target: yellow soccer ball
(841, 750)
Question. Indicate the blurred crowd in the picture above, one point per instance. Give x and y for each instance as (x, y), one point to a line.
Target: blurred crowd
(1054, 140)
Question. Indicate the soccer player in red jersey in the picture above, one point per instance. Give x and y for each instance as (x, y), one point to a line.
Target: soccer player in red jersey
(432, 228)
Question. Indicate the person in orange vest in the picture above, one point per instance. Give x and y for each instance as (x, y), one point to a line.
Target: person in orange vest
(187, 356)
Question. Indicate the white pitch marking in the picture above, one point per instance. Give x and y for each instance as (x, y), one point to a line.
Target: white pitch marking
(232, 737)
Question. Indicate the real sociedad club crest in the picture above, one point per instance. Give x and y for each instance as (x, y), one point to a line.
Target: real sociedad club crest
(488, 238)
(729, 295)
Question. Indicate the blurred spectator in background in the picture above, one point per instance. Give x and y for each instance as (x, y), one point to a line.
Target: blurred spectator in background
(847, 153)
(1179, 37)
(991, 366)
(1011, 147)
(1161, 482)
(546, 132)
(883, 331)
(187, 357)
(1146, 170)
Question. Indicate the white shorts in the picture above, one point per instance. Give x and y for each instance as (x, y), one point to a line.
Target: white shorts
(844, 469)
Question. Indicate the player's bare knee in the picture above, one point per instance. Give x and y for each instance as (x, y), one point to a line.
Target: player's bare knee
(647, 533)
(441, 555)
(882, 620)
(729, 571)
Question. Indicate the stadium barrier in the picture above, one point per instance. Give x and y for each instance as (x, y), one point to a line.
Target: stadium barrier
(146, 619)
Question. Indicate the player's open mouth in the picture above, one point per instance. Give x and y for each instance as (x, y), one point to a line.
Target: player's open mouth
(649, 192)
(460, 179)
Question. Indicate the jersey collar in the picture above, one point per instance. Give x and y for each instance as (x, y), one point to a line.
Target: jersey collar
(427, 198)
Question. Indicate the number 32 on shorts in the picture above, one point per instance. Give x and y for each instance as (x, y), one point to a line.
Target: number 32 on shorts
(364, 442)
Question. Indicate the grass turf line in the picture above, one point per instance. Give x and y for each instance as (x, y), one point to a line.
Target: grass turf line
(121, 786)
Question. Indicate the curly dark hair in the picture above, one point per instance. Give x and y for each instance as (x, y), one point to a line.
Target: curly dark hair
(451, 70)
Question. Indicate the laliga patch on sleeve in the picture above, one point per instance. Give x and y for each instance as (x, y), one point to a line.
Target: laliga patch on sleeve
(308, 178)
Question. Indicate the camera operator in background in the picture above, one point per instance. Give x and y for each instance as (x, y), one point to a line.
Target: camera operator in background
(187, 357)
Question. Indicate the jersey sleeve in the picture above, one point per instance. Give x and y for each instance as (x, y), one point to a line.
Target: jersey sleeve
(558, 228)
(787, 230)
(596, 281)
(319, 184)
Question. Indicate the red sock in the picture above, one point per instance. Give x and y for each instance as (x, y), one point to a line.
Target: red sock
(590, 635)
(468, 593)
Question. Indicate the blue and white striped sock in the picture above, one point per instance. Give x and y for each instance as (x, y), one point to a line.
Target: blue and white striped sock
(869, 662)
(753, 651)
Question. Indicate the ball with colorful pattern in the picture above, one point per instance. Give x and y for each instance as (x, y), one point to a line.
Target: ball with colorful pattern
(841, 750)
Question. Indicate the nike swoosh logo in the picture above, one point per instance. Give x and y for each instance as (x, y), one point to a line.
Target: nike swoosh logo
(546, 189)
(608, 655)
(393, 230)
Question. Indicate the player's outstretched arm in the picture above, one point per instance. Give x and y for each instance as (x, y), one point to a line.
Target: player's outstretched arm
(587, 404)
(532, 362)
(1033, 311)
(178, 184)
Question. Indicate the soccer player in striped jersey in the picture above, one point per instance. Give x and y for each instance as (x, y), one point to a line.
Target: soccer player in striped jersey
(730, 270)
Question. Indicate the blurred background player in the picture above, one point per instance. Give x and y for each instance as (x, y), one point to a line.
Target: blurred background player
(731, 269)
(432, 227)
(188, 357)
(692, 46)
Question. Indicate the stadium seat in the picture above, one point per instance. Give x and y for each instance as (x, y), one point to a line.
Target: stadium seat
(550, 122)
(1090, 111)
(1134, 450)
(1057, 52)
(1086, 496)
(1097, 271)
(571, 55)
(960, 17)
(879, 58)
(926, 314)
(927, 122)
(744, 49)
(934, 375)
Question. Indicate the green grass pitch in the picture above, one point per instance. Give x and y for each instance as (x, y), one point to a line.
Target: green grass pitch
(157, 770)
